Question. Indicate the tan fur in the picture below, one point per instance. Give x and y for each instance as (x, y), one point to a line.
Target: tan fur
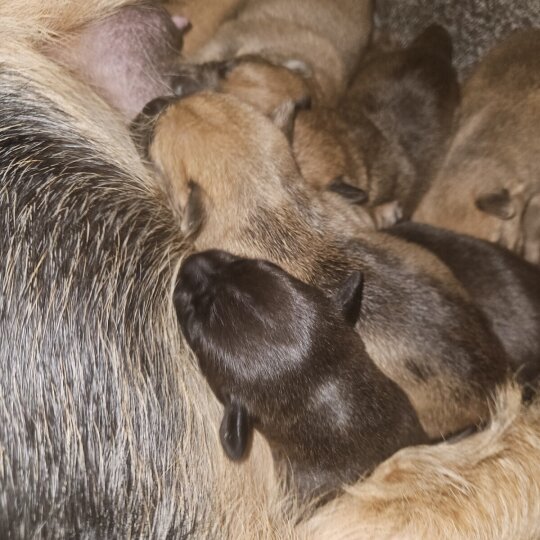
(252, 173)
(327, 35)
(496, 473)
(205, 17)
(495, 148)
(483, 487)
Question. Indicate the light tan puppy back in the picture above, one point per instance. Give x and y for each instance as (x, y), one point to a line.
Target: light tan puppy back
(328, 36)
(492, 173)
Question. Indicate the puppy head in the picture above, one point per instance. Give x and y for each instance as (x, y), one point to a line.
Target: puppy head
(235, 155)
(262, 337)
(252, 79)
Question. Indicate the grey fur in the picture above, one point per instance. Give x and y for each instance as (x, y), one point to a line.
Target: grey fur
(475, 25)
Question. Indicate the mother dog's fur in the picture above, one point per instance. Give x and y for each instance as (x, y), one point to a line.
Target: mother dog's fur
(163, 473)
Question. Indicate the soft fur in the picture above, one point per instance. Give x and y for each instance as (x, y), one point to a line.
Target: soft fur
(328, 36)
(503, 285)
(417, 322)
(160, 469)
(489, 183)
(381, 145)
(483, 487)
(284, 358)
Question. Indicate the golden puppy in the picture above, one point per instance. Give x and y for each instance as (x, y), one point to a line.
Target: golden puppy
(381, 145)
(234, 175)
(489, 183)
(204, 16)
(328, 36)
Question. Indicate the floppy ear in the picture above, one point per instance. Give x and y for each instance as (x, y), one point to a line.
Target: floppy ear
(498, 204)
(436, 39)
(194, 214)
(349, 297)
(284, 115)
(235, 431)
(348, 191)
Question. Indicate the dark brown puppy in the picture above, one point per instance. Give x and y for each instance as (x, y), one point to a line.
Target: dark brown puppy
(233, 175)
(503, 285)
(399, 111)
(284, 358)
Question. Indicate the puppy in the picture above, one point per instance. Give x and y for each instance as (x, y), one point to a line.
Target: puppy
(381, 145)
(221, 158)
(391, 129)
(489, 183)
(204, 16)
(502, 284)
(327, 36)
(284, 358)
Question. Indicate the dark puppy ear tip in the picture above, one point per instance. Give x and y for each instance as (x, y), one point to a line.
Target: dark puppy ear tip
(352, 193)
(498, 204)
(235, 431)
(349, 296)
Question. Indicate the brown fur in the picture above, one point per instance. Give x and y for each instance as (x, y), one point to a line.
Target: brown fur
(496, 471)
(492, 172)
(257, 205)
(387, 134)
(326, 35)
(485, 486)
(205, 17)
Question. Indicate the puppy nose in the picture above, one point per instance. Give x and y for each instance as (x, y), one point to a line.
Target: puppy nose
(198, 269)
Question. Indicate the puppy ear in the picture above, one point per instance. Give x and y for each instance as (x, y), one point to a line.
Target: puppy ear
(436, 39)
(235, 431)
(498, 204)
(348, 191)
(194, 213)
(284, 115)
(349, 297)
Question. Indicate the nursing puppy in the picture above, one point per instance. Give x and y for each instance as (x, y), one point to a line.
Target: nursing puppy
(327, 36)
(381, 145)
(284, 358)
(489, 183)
(390, 130)
(233, 175)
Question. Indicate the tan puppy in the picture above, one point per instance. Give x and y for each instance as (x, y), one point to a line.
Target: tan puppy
(204, 16)
(489, 184)
(221, 157)
(328, 36)
(381, 145)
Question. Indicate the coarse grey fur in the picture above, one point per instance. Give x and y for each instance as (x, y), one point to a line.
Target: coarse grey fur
(475, 25)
